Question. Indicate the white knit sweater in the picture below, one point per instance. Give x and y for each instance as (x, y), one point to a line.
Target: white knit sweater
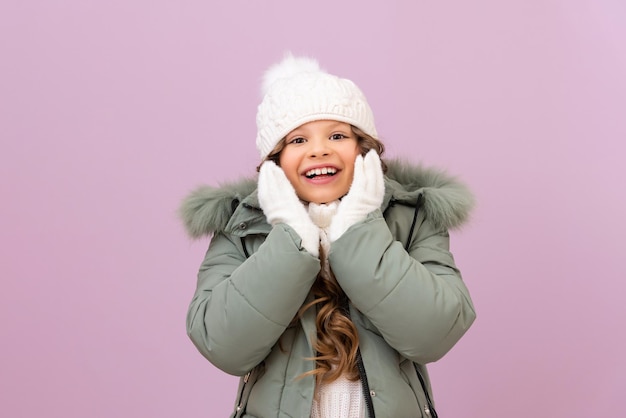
(339, 399)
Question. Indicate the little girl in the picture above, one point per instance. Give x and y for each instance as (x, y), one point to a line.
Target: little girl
(328, 284)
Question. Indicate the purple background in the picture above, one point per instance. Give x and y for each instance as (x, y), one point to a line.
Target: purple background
(112, 111)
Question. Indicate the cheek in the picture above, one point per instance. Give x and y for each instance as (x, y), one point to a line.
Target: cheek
(290, 168)
(349, 158)
(281, 158)
(350, 177)
(285, 161)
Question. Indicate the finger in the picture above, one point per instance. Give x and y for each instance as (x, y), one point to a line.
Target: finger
(274, 187)
(267, 166)
(266, 175)
(280, 180)
(371, 162)
(358, 179)
(272, 169)
(374, 170)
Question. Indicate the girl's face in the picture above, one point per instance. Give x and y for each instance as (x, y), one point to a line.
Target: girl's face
(318, 159)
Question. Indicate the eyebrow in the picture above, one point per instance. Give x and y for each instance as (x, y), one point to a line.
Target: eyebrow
(331, 127)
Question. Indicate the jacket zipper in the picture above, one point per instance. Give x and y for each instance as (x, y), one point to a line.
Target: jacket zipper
(429, 409)
(369, 403)
(367, 395)
(239, 406)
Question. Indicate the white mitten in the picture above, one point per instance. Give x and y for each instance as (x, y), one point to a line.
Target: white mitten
(366, 195)
(280, 204)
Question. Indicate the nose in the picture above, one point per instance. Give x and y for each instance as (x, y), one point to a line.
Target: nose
(319, 148)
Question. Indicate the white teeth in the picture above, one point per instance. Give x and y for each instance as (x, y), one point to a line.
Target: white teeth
(320, 171)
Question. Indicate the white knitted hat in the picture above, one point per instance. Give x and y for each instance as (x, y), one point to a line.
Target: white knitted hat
(297, 91)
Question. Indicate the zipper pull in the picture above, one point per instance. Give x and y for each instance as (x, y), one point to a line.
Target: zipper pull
(240, 404)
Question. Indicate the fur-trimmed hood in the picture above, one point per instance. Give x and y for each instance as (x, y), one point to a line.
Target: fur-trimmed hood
(446, 201)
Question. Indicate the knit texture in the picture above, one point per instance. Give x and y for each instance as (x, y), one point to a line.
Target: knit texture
(297, 91)
(322, 215)
(339, 399)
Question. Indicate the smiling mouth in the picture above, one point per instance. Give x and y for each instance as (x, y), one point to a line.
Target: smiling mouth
(324, 171)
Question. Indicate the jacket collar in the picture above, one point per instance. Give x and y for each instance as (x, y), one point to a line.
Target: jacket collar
(234, 207)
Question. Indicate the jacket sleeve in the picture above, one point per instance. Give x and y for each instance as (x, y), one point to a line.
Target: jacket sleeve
(242, 306)
(416, 300)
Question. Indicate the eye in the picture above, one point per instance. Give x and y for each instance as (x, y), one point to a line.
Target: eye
(337, 137)
(297, 140)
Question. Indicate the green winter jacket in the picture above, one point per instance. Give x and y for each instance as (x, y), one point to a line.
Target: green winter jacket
(407, 306)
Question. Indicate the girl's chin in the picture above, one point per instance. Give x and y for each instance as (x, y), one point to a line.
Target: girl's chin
(321, 199)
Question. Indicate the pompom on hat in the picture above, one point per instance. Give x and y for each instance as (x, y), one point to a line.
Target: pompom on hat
(296, 91)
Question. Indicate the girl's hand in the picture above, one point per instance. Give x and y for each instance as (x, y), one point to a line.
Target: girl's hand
(280, 204)
(366, 195)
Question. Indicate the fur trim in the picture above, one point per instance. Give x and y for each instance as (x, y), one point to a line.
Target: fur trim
(447, 201)
(208, 209)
